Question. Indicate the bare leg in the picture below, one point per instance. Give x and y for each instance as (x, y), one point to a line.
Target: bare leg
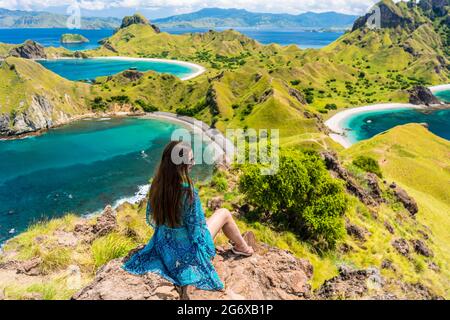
(222, 219)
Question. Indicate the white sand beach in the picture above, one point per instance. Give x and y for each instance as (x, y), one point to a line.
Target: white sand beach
(336, 122)
(442, 87)
(223, 148)
(198, 68)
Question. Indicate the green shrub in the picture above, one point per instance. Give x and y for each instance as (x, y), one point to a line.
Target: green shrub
(301, 197)
(219, 182)
(147, 107)
(368, 164)
(331, 106)
(98, 104)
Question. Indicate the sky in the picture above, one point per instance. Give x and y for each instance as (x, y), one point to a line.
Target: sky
(163, 8)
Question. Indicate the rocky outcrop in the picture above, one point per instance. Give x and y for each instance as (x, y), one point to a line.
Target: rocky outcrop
(270, 274)
(402, 196)
(372, 198)
(390, 18)
(297, 95)
(357, 232)
(113, 283)
(108, 46)
(137, 19)
(105, 224)
(215, 203)
(132, 75)
(368, 284)
(351, 284)
(420, 95)
(421, 248)
(211, 100)
(38, 116)
(402, 246)
(29, 50)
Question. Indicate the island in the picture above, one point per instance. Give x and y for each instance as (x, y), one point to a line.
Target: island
(69, 38)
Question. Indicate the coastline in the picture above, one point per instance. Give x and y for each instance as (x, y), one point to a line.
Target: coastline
(336, 122)
(223, 148)
(439, 88)
(198, 69)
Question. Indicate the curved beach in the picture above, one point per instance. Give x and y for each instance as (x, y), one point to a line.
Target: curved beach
(197, 68)
(439, 88)
(224, 148)
(336, 122)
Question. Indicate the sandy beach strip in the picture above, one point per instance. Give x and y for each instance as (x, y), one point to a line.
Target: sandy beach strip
(223, 147)
(439, 88)
(197, 68)
(336, 122)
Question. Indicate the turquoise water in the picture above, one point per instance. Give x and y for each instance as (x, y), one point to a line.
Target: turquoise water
(51, 37)
(89, 69)
(79, 168)
(444, 96)
(365, 126)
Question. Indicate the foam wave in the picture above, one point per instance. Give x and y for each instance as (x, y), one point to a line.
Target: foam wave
(136, 198)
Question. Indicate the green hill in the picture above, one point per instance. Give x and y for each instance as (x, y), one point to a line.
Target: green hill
(33, 98)
(419, 161)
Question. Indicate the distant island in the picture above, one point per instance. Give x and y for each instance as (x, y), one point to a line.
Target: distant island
(205, 18)
(240, 18)
(41, 19)
(69, 38)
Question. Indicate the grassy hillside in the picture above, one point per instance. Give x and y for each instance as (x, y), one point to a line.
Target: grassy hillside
(432, 220)
(420, 162)
(252, 85)
(22, 79)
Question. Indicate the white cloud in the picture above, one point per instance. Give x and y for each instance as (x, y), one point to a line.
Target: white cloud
(182, 6)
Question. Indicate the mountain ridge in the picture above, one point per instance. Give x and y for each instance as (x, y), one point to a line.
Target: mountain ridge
(43, 19)
(232, 18)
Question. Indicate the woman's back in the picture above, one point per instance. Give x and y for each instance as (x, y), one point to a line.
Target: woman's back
(182, 254)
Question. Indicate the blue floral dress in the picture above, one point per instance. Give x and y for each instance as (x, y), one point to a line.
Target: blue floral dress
(181, 255)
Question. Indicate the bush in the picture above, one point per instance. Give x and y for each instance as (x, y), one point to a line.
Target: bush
(301, 197)
(147, 107)
(368, 164)
(98, 104)
(219, 182)
(331, 106)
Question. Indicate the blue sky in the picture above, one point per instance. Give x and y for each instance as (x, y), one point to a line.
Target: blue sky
(163, 8)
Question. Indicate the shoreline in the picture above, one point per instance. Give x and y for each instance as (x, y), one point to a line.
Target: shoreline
(339, 132)
(439, 88)
(196, 68)
(335, 123)
(224, 149)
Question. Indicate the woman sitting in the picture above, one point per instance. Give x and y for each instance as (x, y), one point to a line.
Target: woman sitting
(182, 247)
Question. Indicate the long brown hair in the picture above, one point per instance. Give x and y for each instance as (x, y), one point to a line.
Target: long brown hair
(167, 190)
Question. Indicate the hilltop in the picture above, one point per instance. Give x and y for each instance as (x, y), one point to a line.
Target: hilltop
(33, 98)
(235, 18)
